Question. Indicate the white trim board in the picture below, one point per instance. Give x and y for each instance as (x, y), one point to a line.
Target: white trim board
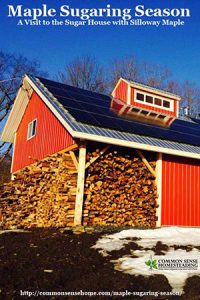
(156, 91)
(118, 142)
(15, 116)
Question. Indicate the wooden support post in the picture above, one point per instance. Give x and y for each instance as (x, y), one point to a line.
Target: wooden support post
(96, 157)
(80, 186)
(147, 164)
(159, 188)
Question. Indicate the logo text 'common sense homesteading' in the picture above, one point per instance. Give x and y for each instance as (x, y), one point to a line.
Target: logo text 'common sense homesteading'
(108, 15)
(172, 264)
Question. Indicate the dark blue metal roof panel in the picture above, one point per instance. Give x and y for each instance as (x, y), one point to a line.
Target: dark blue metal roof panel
(196, 120)
(90, 112)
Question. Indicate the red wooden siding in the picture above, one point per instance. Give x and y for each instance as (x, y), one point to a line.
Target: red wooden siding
(121, 91)
(180, 191)
(50, 136)
(157, 109)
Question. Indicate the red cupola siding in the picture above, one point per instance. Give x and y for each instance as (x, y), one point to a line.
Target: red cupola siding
(144, 103)
(48, 116)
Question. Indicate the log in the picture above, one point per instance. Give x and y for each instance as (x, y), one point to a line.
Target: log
(41, 195)
(120, 189)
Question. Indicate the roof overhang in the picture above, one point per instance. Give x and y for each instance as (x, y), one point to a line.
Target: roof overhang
(136, 145)
(17, 111)
(84, 131)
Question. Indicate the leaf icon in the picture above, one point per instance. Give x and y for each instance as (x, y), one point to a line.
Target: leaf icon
(152, 264)
(154, 261)
(148, 263)
(155, 267)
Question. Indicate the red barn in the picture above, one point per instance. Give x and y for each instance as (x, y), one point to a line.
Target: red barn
(48, 117)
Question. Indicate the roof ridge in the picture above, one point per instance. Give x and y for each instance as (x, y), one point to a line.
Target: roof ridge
(144, 85)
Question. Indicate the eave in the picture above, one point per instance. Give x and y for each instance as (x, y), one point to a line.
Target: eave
(89, 132)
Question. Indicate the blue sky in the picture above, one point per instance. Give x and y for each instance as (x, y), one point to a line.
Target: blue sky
(176, 48)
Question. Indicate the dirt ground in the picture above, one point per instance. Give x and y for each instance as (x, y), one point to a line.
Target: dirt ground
(48, 260)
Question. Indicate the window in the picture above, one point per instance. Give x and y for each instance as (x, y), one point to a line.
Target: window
(31, 129)
(149, 99)
(155, 101)
(158, 101)
(166, 103)
(140, 97)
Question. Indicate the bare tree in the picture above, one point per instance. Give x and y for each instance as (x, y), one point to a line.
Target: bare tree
(155, 75)
(12, 68)
(190, 94)
(85, 72)
(173, 87)
(127, 68)
(147, 73)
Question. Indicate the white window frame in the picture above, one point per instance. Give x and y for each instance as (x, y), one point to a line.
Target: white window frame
(171, 108)
(30, 133)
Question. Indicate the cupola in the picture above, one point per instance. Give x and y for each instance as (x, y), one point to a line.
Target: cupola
(143, 103)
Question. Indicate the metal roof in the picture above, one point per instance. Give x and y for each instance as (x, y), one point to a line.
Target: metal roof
(54, 95)
(90, 129)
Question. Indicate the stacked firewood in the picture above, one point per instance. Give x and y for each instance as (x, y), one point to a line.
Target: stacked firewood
(41, 195)
(120, 190)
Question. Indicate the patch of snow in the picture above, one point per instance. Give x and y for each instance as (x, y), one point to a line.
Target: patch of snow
(148, 239)
(110, 243)
(176, 278)
(167, 235)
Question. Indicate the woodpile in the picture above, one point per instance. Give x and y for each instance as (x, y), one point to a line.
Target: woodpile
(41, 195)
(120, 190)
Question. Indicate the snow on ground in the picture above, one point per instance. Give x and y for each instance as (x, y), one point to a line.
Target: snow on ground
(134, 262)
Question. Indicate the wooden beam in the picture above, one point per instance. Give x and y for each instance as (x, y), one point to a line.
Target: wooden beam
(159, 188)
(75, 161)
(147, 164)
(96, 157)
(80, 185)
(70, 148)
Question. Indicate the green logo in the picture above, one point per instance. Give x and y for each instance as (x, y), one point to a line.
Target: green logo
(152, 264)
